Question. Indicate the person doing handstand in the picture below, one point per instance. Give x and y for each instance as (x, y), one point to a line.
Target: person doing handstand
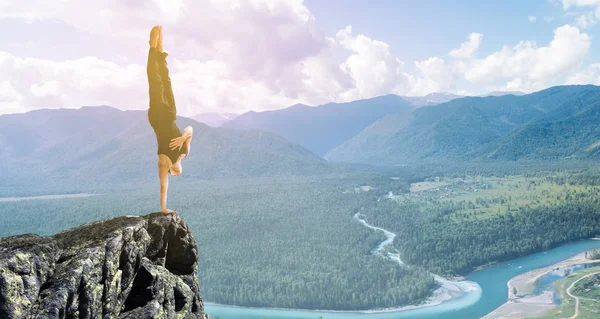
(162, 113)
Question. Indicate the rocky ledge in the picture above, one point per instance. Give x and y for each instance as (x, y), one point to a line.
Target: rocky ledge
(126, 267)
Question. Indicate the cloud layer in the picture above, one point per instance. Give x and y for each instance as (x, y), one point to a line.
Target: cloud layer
(234, 55)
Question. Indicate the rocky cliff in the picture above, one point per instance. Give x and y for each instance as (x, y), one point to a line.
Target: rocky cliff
(126, 267)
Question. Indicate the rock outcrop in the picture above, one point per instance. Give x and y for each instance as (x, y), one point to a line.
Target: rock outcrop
(126, 267)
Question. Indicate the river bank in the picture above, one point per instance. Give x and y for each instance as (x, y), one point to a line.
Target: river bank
(492, 280)
(451, 294)
(524, 304)
(476, 296)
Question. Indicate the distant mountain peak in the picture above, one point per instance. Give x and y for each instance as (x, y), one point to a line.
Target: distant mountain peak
(432, 98)
(299, 105)
(214, 119)
(101, 105)
(98, 107)
(442, 94)
(502, 93)
(320, 128)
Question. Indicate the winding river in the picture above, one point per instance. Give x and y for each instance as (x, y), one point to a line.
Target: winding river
(467, 291)
(482, 292)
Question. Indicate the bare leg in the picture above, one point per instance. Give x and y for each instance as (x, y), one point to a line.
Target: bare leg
(163, 175)
(153, 70)
(169, 98)
(159, 43)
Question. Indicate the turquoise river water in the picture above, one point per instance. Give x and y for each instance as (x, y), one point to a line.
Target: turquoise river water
(492, 281)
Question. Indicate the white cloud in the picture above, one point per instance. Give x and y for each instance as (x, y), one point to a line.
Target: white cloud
(371, 65)
(86, 81)
(548, 19)
(233, 56)
(579, 3)
(269, 46)
(532, 19)
(432, 75)
(585, 21)
(530, 66)
(112, 17)
(47, 88)
(28, 83)
(261, 39)
(376, 71)
(590, 75)
(468, 49)
(324, 79)
(10, 99)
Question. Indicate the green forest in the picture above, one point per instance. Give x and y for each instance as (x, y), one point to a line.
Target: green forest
(262, 242)
(490, 221)
(292, 242)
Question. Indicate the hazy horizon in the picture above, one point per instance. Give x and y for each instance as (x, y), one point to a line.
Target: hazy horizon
(77, 107)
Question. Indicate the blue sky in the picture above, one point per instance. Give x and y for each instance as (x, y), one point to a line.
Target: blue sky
(419, 29)
(240, 55)
(416, 30)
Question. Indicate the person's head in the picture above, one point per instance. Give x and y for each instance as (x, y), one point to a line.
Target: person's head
(176, 169)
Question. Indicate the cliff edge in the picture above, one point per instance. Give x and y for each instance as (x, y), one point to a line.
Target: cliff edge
(126, 267)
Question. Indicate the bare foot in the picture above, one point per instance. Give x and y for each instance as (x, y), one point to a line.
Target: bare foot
(159, 44)
(154, 36)
(167, 211)
(177, 168)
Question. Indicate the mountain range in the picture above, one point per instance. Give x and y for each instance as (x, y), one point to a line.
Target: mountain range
(103, 144)
(324, 127)
(501, 93)
(431, 98)
(556, 123)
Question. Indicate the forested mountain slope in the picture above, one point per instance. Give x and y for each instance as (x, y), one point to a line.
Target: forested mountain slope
(469, 128)
(324, 127)
(103, 144)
